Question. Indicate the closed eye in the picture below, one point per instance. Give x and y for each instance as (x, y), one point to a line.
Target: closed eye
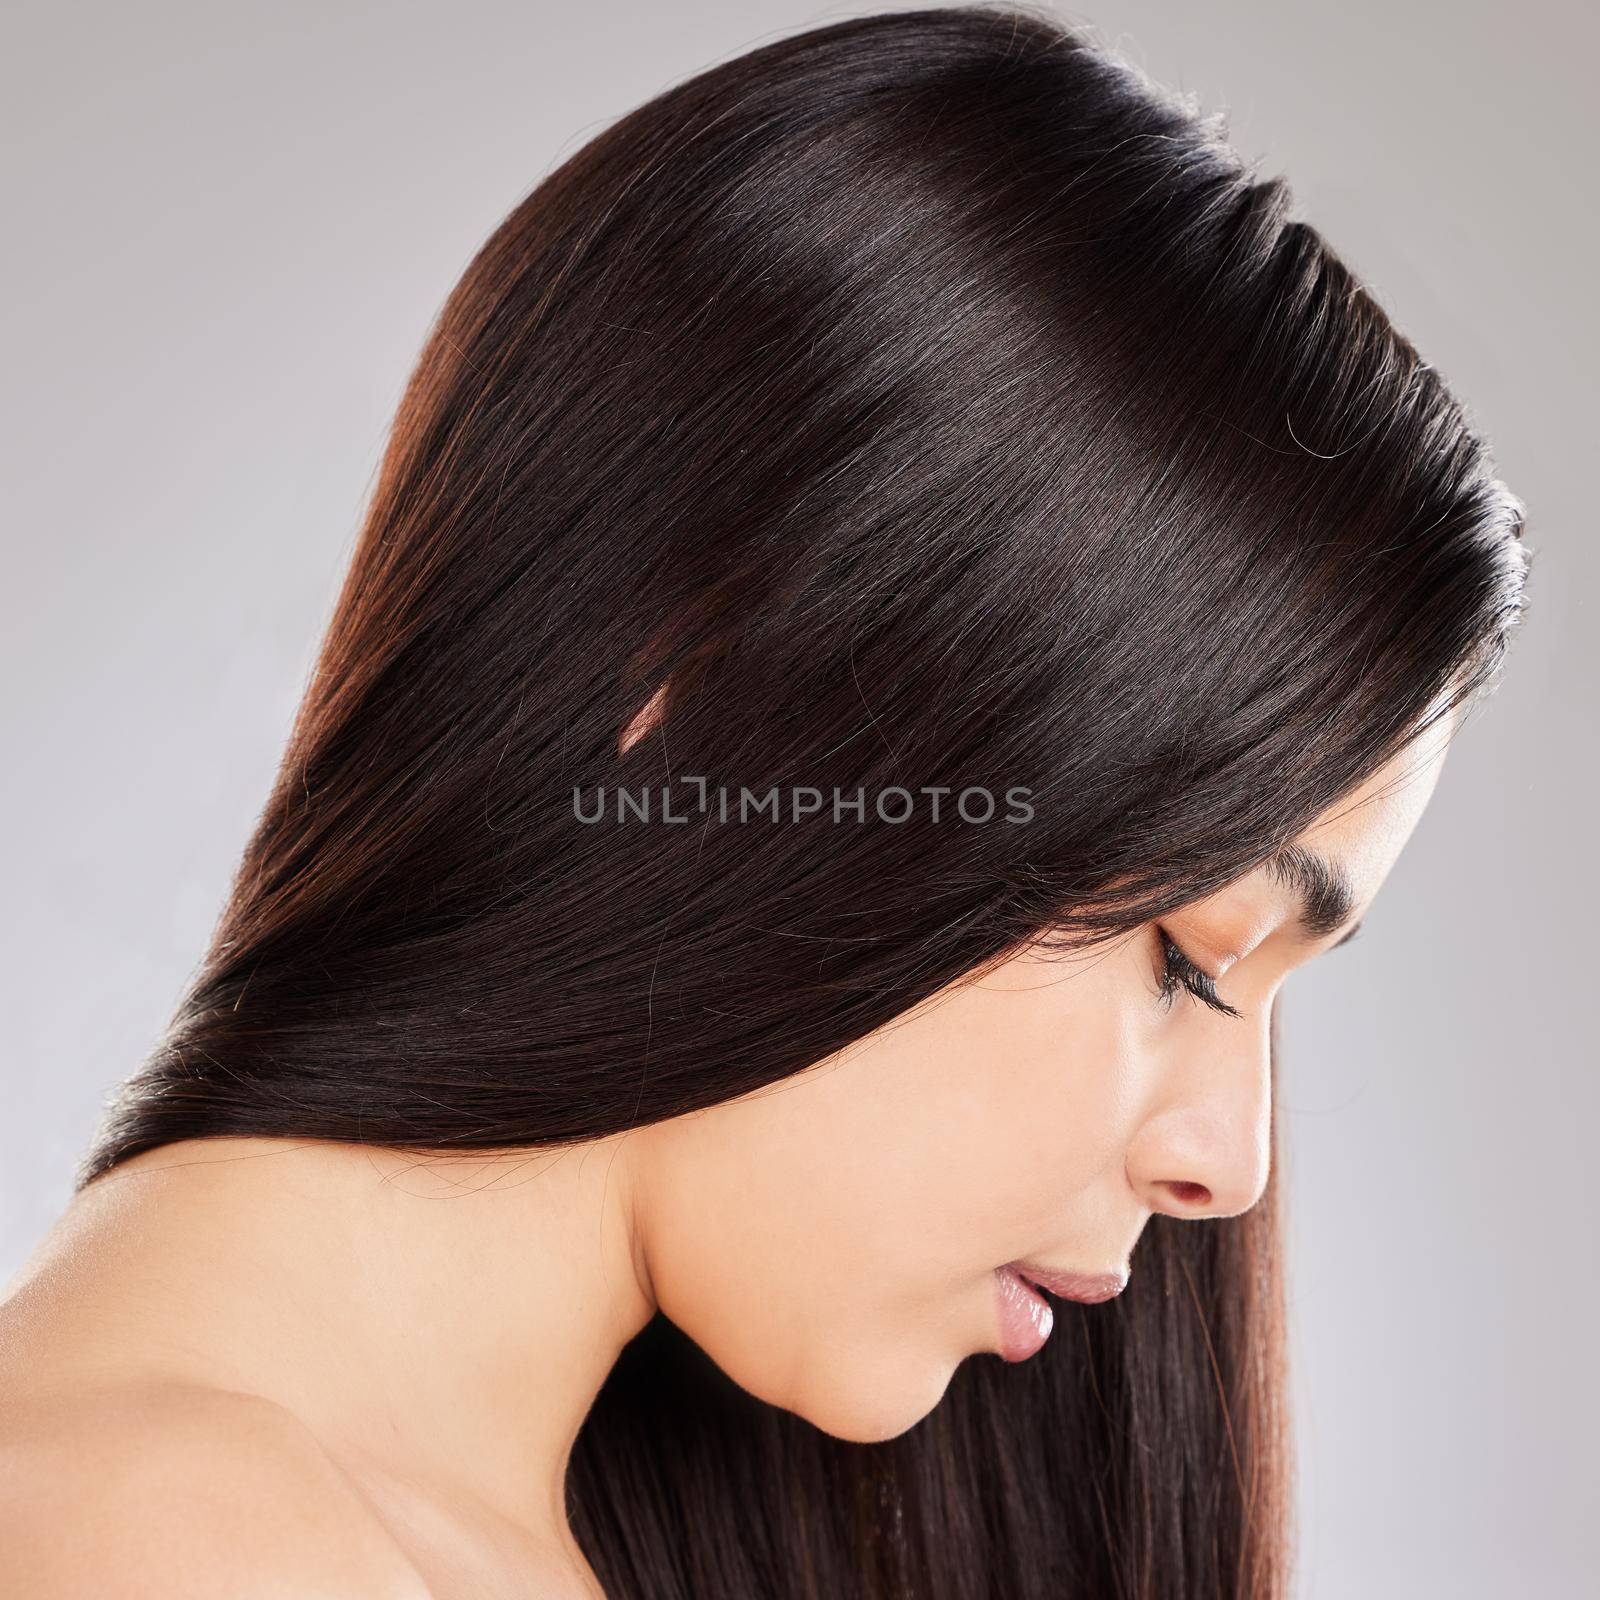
(1177, 971)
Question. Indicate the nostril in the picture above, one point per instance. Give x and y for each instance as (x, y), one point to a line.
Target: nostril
(1191, 1194)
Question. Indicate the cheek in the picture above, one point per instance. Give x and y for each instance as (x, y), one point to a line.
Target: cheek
(829, 1240)
(1039, 1092)
(772, 1244)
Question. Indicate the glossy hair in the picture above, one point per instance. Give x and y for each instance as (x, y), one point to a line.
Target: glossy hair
(926, 400)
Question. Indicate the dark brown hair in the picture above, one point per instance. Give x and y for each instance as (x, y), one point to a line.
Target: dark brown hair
(925, 401)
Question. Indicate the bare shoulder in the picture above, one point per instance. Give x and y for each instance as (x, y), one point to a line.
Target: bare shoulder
(178, 1491)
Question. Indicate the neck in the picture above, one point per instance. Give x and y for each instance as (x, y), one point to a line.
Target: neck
(445, 1320)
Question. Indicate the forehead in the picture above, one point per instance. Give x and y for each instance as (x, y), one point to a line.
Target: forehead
(1366, 830)
(1359, 837)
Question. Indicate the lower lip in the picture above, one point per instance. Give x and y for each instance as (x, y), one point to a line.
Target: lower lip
(1025, 1316)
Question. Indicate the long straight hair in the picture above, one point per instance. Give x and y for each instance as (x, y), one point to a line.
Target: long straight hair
(923, 403)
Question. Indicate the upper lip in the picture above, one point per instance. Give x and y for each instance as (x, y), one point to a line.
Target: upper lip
(1088, 1287)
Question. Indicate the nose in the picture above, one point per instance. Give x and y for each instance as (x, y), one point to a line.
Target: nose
(1205, 1148)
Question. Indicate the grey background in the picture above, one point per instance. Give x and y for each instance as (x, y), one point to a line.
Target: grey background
(228, 229)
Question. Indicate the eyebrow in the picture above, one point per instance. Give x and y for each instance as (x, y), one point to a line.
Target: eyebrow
(1323, 888)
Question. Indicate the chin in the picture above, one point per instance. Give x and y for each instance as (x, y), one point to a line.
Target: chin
(868, 1401)
(865, 1384)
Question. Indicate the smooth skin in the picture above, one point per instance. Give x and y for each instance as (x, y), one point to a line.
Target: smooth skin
(271, 1367)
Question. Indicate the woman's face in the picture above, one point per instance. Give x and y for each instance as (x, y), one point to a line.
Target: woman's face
(832, 1241)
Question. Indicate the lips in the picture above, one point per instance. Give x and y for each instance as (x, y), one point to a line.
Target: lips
(1088, 1288)
(1025, 1316)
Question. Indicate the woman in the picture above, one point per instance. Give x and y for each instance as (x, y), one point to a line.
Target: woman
(905, 596)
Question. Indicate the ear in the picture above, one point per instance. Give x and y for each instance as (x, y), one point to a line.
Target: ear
(643, 721)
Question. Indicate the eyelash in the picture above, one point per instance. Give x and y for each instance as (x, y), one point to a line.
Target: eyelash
(1179, 972)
